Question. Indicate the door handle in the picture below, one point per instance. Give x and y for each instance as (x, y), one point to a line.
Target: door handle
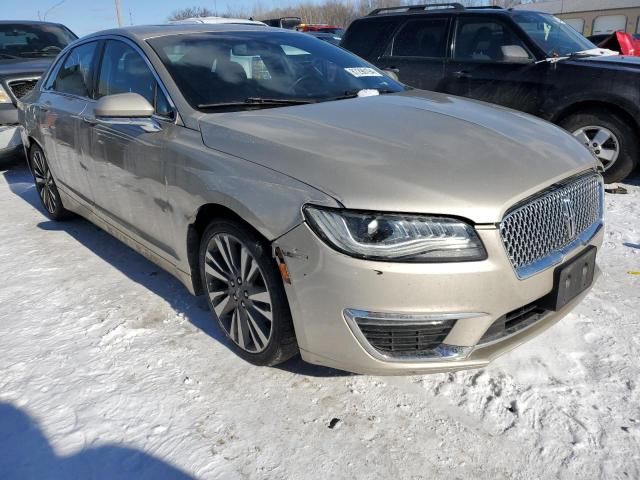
(462, 74)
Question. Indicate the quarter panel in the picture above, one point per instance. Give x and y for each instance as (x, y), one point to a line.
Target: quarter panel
(196, 175)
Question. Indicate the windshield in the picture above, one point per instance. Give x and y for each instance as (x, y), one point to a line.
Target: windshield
(552, 35)
(37, 40)
(232, 67)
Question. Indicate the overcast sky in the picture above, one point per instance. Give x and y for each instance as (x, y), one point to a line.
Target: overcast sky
(86, 16)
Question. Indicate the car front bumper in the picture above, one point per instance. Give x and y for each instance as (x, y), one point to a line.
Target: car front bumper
(10, 139)
(325, 283)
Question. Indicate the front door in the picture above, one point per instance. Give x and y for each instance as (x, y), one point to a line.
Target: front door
(493, 63)
(417, 52)
(128, 156)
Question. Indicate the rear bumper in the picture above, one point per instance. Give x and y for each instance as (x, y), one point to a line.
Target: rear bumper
(325, 283)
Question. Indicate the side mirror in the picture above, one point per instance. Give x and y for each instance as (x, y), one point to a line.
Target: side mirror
(123, 105)
(515, 54)
(392, 73)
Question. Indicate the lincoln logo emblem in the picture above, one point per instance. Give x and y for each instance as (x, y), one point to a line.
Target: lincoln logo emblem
(569, 217)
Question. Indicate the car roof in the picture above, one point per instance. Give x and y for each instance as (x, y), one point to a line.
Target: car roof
(27, 22)
(421, 10)
(217, 20)
(146, 32)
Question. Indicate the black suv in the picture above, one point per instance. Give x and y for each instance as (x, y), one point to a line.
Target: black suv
(27, 48)
(524, 60)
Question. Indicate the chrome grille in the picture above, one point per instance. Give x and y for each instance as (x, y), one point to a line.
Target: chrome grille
(20, 88)
(540, 231)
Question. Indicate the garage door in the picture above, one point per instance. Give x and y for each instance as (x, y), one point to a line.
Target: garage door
(609, 24)
(576, 23)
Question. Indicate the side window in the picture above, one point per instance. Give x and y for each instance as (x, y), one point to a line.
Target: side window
(488, 40)
(422, 38)
(74, 76)
(364, 36)
(123, 70)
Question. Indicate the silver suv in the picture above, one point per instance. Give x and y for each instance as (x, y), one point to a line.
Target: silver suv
(321, 206)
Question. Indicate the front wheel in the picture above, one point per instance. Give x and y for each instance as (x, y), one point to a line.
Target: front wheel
(46, 185)
(245, 292)
(610, 138)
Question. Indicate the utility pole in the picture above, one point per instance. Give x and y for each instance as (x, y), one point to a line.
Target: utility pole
(44, 17)
(118, 15)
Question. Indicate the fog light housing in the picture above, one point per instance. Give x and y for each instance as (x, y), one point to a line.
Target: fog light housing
(407, 337)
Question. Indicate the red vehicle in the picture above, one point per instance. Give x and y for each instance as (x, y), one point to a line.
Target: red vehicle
(319, 27)
(622, 42)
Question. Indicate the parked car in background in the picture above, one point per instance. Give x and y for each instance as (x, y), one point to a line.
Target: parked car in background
(434, 233)
(26, 50)
(622, 42)
(332, 38)
(288, 23)
(520, 59)
(596, 39)
(320, 27)
(218, 20)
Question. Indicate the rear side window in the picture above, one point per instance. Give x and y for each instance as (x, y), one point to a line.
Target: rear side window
(74, 76)
(365, 36)
(422, 38)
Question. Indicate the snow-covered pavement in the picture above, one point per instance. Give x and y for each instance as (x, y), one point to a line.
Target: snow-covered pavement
(110, 369)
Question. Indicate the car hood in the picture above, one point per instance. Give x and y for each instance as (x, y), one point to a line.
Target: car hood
(411, 152)
(609, 61)
(24, 66)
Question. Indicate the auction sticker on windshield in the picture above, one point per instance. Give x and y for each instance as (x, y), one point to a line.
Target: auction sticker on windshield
(363, 72)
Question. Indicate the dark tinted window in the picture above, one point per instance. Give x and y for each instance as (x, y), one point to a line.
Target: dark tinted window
(123, 70)
(479, 39)
(74, 76)
(364, 37)
(31, 41)
(422, 38)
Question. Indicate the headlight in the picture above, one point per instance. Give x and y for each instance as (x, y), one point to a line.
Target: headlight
(4, 98)
(396, 237)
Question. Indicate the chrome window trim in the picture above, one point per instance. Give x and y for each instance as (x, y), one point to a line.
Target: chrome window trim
(443, 352)
(129, 42)
(557, 256)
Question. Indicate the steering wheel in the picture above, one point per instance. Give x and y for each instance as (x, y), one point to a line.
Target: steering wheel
(295, 84)
(51, 48)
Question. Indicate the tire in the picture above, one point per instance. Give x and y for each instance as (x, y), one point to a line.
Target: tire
(586, 126)
(236, 261)
(46, 185)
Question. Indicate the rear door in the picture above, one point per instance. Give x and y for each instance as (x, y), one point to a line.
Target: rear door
(480, 68)
(60, 111)
(417, 52)
(128, 155)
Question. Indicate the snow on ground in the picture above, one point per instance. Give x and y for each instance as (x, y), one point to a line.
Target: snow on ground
(109, 368)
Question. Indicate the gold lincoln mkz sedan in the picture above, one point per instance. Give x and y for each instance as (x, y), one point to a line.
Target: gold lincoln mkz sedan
(321, 206)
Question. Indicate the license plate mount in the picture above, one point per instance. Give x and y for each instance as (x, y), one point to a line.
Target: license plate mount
(573, 278)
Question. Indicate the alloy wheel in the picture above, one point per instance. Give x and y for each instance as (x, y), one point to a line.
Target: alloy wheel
(238, 292)
(602, 142)
(44, 182)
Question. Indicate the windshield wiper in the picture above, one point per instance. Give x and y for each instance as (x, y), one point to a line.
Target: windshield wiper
(257, 102)
(354, 93)
(6, 55)
(581, 54)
